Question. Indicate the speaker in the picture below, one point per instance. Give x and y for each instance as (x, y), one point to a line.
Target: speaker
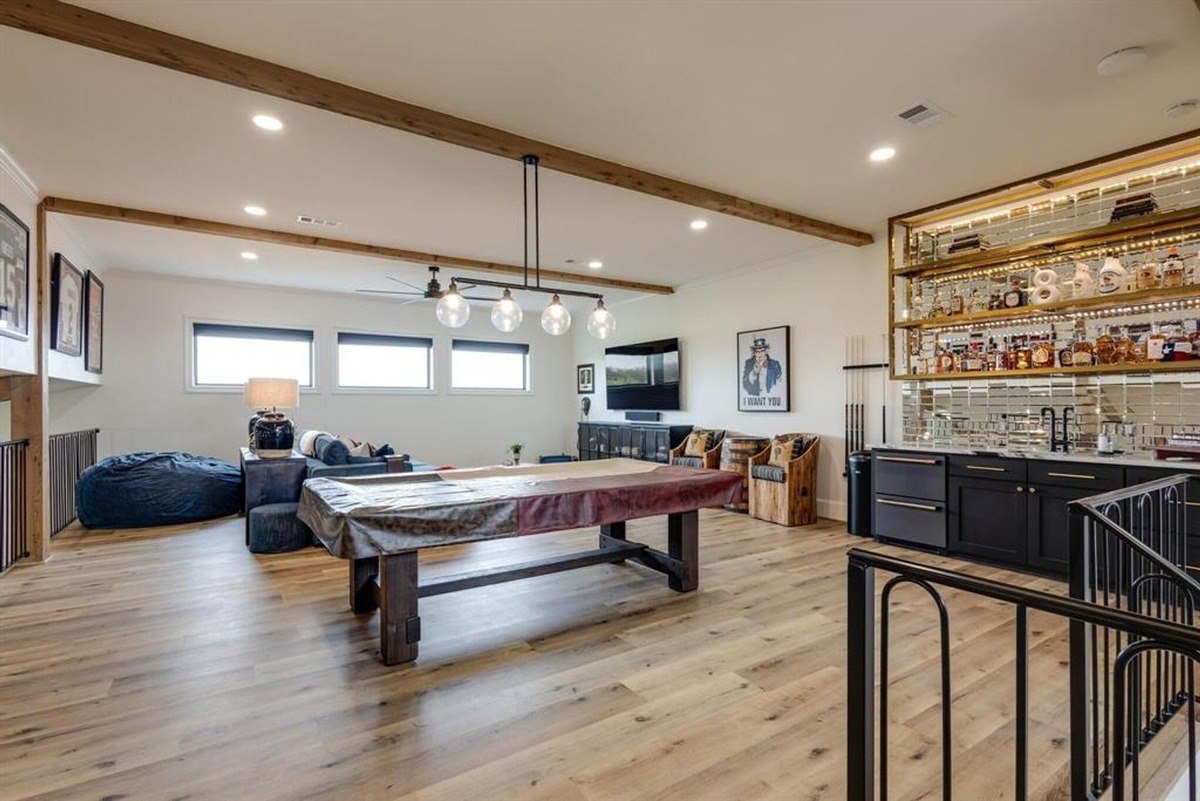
(643, 417)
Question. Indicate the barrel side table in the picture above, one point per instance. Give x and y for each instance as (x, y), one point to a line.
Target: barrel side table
(735, 457)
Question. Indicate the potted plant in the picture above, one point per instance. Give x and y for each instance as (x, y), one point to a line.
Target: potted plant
(516, 449)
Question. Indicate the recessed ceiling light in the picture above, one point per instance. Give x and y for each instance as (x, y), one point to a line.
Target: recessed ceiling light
(698, 225)
(267, 122)
(257, 211)
(595, 265)
(1121, 61)
(882, 153)
(249, 255)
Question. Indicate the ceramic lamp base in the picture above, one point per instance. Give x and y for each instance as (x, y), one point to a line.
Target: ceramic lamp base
(274, 436)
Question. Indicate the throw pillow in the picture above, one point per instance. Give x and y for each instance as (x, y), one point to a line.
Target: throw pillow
(307, 443)
(783, 449)
(331, 451)
(360, 449)
(697, 442)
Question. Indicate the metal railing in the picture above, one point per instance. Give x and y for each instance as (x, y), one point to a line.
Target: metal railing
(14, 544)
(70, 455)
(1129, 551)
(1133, 645)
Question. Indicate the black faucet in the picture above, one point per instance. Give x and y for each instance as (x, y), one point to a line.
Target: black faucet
(1068, 417)
(1053, 426)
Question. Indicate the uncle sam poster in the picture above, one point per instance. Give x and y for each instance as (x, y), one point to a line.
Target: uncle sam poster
(764, 370)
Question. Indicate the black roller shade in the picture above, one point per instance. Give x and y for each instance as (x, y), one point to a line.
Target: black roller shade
(383, 340)
(490, 347)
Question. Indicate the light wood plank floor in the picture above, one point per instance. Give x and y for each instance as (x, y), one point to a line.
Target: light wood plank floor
(171, 663)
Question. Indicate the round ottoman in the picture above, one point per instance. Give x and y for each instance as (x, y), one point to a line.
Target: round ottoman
(274, 528)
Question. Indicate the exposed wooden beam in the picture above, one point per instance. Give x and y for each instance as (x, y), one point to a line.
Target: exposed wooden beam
(158, 219)
(120, 37)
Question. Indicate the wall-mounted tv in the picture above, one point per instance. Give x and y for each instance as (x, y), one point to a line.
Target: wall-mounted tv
(643, 377)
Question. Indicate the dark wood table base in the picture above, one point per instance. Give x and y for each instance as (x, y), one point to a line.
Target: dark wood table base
(389, 583)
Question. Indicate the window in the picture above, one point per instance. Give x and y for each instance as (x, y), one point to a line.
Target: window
(227, 355)
(381, 361)
(489, 365)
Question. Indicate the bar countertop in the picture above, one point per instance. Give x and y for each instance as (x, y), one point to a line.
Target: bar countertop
(1140, 459)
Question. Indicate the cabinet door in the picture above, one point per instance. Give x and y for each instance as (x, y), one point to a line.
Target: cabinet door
(662, 448)
(1049, 526)
(987, 519)
(581, 441)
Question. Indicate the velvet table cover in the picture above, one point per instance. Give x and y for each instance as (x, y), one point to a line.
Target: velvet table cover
(363, 517)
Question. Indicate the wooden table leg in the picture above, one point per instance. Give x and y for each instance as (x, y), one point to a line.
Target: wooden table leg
(399, 624)
(362, 584)
(683, 543)
(614, 530)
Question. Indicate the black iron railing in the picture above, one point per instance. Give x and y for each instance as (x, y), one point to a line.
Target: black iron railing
(1128, 551)
(14, 544)
(70, 455)
(1133, 646)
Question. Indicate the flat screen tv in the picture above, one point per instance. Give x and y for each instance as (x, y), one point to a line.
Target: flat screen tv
(643, 377)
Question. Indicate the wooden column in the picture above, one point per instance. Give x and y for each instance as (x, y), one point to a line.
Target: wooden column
(30, 406)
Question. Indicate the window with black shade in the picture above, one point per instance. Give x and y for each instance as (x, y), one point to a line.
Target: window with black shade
(489, 365)
(226, 355)
(383, 361)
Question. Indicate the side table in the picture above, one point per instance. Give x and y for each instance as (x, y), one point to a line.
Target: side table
(270, 481)
(735, 457)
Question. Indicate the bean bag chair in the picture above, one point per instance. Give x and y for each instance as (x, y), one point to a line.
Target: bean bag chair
(157, 489)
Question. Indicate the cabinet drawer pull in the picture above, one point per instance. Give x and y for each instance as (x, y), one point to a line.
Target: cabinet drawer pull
(1083, 476)
(1191, 503)
(908, 460)
(924, 507)
(988, 469)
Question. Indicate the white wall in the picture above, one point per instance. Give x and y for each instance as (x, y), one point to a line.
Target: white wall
(144, 403)
(824, 294)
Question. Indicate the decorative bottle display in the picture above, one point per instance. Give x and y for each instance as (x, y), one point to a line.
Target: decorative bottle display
(1083, 284)
(1015, 296)
(1111, 277)
(1174, 273)
(1147, 272)
(1045, 287)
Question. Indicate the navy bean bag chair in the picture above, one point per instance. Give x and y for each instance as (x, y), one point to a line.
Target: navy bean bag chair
(157, 489)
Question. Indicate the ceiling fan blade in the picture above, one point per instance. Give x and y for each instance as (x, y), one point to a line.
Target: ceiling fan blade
(389, 292)
(481, 300)
(405, 283)
(411, 302)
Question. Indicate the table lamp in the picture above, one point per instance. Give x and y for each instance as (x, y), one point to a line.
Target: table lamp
(273, 433)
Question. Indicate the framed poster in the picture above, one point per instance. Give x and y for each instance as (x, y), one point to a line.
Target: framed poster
(14, 276)
(94, 353)
(585, 379)
(66, 307)
(764, 370)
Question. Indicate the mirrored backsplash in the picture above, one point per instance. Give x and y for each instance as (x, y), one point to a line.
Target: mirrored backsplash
(1139, 412)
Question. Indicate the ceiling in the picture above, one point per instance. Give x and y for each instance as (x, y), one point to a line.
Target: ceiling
(775, 102)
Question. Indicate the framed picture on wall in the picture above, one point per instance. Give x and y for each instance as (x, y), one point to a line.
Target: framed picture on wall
(14, 276)
(765, 370)
(585, 379)
(94, 324)
(66, 307)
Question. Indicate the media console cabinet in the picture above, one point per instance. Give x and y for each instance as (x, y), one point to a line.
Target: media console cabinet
(651, 442)
(1006, 509)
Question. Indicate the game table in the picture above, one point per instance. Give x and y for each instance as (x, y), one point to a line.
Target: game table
(379, 523)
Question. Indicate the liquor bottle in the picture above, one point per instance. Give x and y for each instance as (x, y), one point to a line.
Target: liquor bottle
(1043, 353)
(1124, 351)
(1106, 348)
(1173, 272)
(1179, 346)
(1023, 359)
(1064, 355)
(1111, 278)
(978, 302)
(1155, 344)
(1083, 353)
(1015, 296)
(1147, 272)
(956, 302)
(973, 359)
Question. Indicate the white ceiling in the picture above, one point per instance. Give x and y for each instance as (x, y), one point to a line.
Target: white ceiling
(776, 102)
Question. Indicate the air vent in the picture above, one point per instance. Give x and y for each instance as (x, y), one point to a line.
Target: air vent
(308, 219)
(924, 114)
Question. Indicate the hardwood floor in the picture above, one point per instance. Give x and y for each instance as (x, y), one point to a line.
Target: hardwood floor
(171, 663)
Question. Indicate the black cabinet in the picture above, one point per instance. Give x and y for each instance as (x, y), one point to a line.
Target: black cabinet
(988, 519)
(910, 497)
(1048, 528)
(647, 441)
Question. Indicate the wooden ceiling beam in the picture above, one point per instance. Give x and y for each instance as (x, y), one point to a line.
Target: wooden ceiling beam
(112, 35)
(175, 222)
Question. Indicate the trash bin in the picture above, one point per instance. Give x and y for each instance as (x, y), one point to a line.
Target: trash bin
(858, 506)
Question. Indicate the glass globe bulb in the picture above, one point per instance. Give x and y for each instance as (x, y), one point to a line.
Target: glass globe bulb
(601, 324)
(453, 311)
(556, 319)
(506, 313)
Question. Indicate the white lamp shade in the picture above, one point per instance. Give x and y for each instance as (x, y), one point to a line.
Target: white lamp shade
(453, 310)
(272, 393)
(556, 319)
(506, 314)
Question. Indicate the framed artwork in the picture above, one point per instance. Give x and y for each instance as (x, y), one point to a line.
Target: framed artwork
(14, 276)
(66, 307)
(585, 379)
(765, 370)
(94, 353)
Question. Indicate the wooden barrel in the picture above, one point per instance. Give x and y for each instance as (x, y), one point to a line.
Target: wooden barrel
(735, 457)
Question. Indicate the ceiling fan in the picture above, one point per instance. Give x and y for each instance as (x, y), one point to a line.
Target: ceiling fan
(431, 291)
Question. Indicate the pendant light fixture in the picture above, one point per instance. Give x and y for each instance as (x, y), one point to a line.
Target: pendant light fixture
(453, 309)
(506, 313)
